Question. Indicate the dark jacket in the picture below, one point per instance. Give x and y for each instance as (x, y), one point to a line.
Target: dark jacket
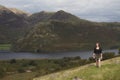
(97, 51)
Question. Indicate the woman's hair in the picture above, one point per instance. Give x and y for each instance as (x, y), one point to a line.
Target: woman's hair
(98, 44)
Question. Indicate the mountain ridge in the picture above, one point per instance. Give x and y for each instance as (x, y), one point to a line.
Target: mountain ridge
(60, 30)
(19, 12)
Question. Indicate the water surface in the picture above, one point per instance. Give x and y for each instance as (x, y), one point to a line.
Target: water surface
(4, 55)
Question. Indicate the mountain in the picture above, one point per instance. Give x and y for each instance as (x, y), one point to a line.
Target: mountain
(64, 16)
(9, 18)
(61, 15)
(54, 36)
(19, 12)
(54, 31)
(40, 17)
(11, 25)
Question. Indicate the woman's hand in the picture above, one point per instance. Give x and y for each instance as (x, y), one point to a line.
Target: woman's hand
(101, 56)
(93, 55)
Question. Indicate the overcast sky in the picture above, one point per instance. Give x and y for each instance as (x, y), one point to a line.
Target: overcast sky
(95, 10)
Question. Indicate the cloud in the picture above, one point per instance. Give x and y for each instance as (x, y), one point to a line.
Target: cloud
(95, 10)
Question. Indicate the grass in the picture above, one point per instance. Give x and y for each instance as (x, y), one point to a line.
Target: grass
(110, 70)
(20, 76)
(5, 46)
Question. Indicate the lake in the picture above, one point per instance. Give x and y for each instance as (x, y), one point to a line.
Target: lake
(4, 55)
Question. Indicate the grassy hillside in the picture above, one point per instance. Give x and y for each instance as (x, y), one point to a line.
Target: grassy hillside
(110, 70)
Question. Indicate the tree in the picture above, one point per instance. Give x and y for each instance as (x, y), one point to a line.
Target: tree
(2, 73)
(108, 55)
(32, 63)
(21, 70)
(12, 61)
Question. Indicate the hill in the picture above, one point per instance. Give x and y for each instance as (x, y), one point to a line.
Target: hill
(54, 31)
(12, 25)
(44, 16)
(39, 17)
(55, 36)
(8, 17)
(110, 70)
(64, 16)
(14, 22)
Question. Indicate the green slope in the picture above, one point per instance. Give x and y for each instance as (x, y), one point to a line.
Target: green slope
(110, 70)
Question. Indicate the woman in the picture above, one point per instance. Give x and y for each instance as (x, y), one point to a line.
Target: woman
(97, 55)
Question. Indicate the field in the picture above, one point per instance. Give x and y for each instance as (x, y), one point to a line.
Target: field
(110, 70)
(5, 46)
(20, 76)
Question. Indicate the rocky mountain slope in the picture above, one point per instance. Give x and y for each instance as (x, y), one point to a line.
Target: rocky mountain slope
(12, 25)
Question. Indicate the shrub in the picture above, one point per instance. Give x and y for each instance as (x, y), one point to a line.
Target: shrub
(2, 73)
(77, 57)
(12, 61)
(67, 59)
(32, 63)
(21, 70)
(91, 59)
(108, 55)
(83, 61)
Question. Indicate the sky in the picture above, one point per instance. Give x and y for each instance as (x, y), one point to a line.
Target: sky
(94, 10)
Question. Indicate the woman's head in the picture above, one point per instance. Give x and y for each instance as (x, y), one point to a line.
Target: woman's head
(97, 44)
